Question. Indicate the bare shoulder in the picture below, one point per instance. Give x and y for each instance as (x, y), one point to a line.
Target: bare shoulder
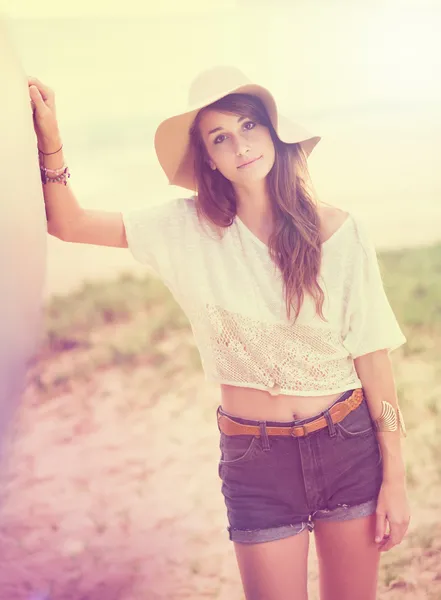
(331, 219)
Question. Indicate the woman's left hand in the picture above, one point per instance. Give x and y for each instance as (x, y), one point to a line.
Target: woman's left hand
(392, 508)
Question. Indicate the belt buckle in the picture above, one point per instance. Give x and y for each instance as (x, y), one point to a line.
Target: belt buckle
(305, 433)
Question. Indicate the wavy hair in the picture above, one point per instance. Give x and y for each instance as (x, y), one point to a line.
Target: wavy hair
(294, 244)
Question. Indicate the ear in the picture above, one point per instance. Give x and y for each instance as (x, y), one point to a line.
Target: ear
(212, 165)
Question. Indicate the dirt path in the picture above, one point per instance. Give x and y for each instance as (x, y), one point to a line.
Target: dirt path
(113, 494)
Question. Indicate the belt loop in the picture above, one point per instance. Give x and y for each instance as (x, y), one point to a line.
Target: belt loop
(331, 425)
(264, 436)
(217, 418)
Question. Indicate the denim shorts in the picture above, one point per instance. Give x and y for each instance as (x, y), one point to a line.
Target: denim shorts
(276, 486)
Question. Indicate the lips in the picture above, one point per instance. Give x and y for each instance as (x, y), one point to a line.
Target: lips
(250, 162)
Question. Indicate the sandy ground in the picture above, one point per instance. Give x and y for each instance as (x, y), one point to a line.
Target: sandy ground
(112, 493)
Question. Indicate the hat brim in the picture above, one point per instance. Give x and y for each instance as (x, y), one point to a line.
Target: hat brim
(172, 137)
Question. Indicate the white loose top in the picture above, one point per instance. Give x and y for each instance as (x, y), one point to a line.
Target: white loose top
(232, 294)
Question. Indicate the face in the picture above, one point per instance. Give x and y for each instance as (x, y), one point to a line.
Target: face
(231, 141)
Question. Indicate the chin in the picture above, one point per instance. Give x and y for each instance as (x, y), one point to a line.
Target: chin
(261, 173)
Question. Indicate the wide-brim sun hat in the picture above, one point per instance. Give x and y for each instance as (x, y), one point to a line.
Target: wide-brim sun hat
(172, 137)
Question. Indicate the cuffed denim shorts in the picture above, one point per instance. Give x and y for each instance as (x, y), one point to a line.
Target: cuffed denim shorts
(276, 486)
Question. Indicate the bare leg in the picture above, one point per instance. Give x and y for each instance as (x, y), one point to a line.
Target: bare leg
(348, 559)
(275, 570)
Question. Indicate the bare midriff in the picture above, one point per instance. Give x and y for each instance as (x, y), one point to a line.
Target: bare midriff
(249, 403)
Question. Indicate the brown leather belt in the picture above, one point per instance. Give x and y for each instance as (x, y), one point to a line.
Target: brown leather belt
(337, 413)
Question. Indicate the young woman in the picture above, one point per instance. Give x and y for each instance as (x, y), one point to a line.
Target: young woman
(289, 313)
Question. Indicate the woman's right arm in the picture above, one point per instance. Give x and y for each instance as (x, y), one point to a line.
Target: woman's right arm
(66, 219)
(69, 222)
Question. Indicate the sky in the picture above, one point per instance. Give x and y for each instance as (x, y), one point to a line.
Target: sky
(352, 53)
(116, 8)
(112, 8)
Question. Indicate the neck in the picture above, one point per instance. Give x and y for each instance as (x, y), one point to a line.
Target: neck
(253, 206)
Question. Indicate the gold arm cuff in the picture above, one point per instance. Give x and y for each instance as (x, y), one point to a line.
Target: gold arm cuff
(401, 422)
(389, 419)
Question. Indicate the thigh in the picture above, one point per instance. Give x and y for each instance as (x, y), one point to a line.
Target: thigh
(348, 558)
(275, 570)
(263, 488)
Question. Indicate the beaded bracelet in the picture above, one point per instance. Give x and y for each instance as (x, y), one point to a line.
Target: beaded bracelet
(61, 175)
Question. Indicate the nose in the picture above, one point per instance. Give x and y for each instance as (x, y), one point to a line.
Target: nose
(241, 146)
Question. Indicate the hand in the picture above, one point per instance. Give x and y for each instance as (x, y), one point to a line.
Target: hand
(392, 509)
(44, 114)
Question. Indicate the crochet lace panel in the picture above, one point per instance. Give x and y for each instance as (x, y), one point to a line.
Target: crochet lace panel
(289, 356)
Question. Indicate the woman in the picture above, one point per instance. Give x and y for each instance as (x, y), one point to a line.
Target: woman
(289, 313)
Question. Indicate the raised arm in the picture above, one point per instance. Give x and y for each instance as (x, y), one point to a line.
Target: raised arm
(69, 222)
(66, 219)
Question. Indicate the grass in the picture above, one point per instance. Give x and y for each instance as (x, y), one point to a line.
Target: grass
(412, 279)
(121, 323)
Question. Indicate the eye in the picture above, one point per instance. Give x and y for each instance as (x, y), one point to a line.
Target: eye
(245, 125)
(250, 123)
(217, 141)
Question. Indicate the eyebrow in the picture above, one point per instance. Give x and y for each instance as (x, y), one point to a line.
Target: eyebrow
(220, 128)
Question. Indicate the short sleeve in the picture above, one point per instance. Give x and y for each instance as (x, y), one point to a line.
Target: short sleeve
(372, 324)
(153, 234)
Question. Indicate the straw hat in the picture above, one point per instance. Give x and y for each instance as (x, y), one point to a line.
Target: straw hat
(172, 137)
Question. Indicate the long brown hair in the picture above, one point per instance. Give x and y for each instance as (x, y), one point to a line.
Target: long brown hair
(294, 245)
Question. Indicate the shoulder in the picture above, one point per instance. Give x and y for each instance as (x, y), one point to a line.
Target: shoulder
(171, 207)
(169, 214)
(358, 233)
(331, 219)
